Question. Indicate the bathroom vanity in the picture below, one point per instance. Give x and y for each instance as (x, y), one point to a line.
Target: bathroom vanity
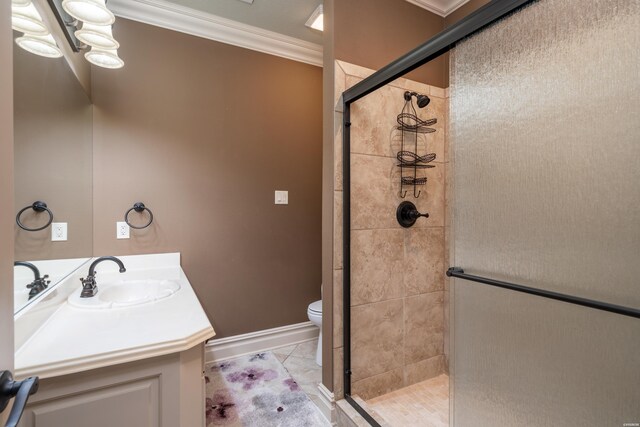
(132, 355)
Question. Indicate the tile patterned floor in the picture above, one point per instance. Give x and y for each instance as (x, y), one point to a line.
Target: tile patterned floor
(300, 361)
(424, 404)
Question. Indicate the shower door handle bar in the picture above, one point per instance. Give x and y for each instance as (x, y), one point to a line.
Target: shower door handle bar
(571, 299)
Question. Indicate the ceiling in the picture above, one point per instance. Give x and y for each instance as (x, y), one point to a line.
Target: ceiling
(281, 16)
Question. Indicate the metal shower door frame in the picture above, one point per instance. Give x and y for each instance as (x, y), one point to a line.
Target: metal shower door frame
(433, 48)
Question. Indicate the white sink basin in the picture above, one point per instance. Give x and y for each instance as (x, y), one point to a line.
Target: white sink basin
(126, 293)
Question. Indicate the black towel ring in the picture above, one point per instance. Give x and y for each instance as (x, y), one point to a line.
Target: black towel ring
(38, 207)
(138, 207)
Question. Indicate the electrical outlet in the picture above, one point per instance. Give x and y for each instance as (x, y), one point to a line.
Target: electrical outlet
(122, 230)
(58, 231)
(282, 197)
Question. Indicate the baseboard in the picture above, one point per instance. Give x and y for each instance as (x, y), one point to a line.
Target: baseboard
(328, 403)
(255, 342)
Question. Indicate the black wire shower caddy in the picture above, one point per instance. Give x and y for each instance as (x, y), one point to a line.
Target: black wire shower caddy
(411, 127)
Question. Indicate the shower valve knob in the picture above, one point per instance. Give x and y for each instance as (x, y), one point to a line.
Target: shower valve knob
(407, 214)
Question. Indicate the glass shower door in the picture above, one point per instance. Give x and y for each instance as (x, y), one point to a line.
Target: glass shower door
(545, 128)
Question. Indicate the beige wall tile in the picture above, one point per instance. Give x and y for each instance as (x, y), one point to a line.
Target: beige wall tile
(423, 260)
(337, 230)
(374, 124)
(351, 80)
(438, 92)
(375, 186)
(423, 370)
(337, 308)
(373, 198)
(373, 120)
(355, 70)
(423, 327)
(376, 265)
(363, 72)
(379, 384)
(387, 260)
(432, 198)
(376, 338)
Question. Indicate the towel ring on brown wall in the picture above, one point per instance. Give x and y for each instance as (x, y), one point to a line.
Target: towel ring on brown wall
(37, 206)
(138, 207)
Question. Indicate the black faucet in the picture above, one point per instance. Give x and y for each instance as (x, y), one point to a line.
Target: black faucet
(39, 284)
(89, 285)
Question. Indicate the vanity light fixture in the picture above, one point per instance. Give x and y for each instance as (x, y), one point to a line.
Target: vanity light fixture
(36, 39)
(91, 11)
(40, 45)
(316, 20)
(98, 36)
(26, 19)
(106, 58)
(96, 32)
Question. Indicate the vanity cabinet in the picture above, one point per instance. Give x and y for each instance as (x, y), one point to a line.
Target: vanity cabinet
(164, 391)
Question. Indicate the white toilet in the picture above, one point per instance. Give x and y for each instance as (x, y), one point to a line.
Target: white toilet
(315, 316)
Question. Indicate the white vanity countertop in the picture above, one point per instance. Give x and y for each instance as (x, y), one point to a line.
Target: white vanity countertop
(78, 339)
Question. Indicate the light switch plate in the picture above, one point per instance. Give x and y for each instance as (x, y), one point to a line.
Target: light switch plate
(122, 230)
(58, 231)
(282, 197)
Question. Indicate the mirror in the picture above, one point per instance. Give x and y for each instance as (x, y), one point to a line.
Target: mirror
(53, 131)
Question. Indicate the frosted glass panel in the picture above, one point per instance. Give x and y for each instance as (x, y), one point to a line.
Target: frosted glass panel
(545, 127)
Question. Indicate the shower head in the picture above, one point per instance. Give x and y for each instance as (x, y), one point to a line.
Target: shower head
(422, 100)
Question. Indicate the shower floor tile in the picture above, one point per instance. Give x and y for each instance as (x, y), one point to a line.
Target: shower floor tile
(424, 404)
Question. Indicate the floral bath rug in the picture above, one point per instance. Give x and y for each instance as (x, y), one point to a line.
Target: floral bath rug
(257, 391)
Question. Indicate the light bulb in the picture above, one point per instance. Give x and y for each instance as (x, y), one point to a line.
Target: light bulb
(99, 36)
(106, 58)
(40, 45)
(26, 19)
(92, 11)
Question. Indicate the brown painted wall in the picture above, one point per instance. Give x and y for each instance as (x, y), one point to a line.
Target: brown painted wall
(373, 33)
(52, 132)
(6, 190)
(203, 133)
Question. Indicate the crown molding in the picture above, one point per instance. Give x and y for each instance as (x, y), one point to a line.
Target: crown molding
(437, 7)
(206, 25)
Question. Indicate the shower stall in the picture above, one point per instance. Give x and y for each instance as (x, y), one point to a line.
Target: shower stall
(516, 301)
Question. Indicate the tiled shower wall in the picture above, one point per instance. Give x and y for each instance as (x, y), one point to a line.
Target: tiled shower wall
(398, 324)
